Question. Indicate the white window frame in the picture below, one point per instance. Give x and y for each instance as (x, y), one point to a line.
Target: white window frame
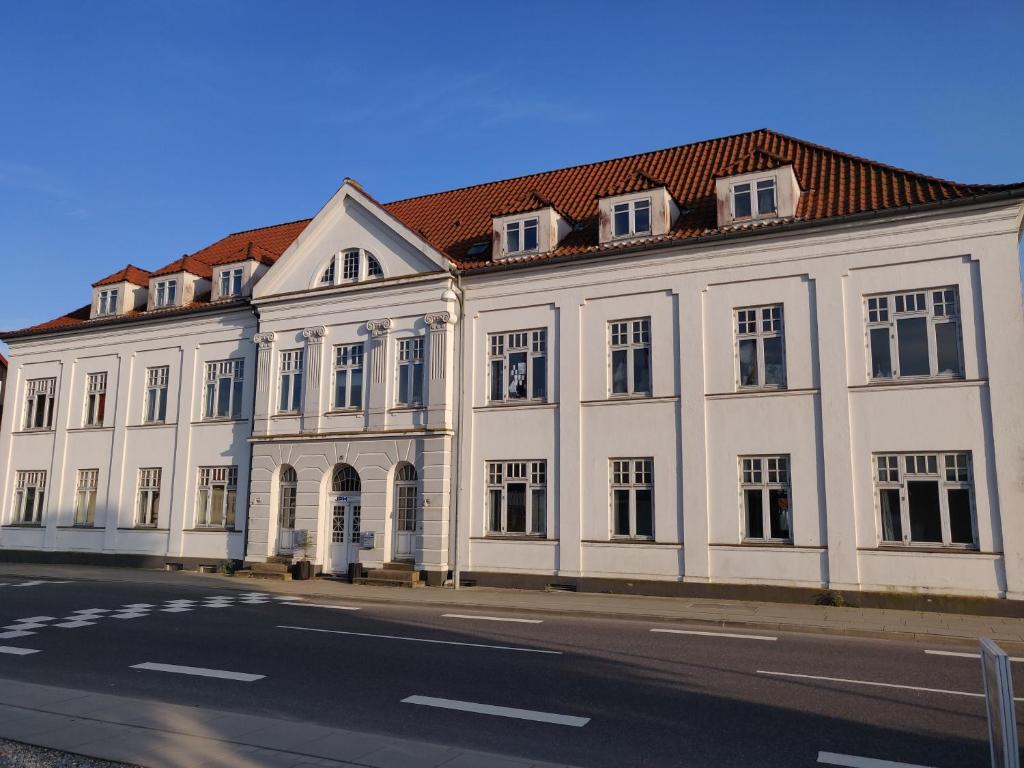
(752, 188)
(938, 306)
(635, 336)
(155, 404)
(532, 344)
(766, 473)
(106, 302)
(147, 501)
(224, 373)
(519, 228)
(629, 207)
(28, 507)
(373, 268)
(212, 479)
(86, 486)
(532, 475)
(95, 400)
(290, 381)
(348, 367)
(951, 470)
(166, 294)
(757, 324)
(627, 476)
(39, 393)
(407, 514)
(351, 265)
(411, 370)
(230, 282)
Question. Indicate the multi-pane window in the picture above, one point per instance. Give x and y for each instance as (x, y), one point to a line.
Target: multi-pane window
(29, 493)
(521, 236)
(216, 496)
(348, 376)
(156, 394)
(231, 282)
(166, 293)
(327, 278)
(630, 356)
(107, 302)
(632, 498)
(754, 199)
(290, 383)
(914, 335)
(406, 483)
(85, 496)
(518, 365)
(95, 399)
(760, 347)
(39, 403)
(373, 268)
(147, 504)
(517, 497)
(224, 389)
(410, 372)
(926, 499)
(350, 266)
(289, 492)
(764, 485)
(631, 218)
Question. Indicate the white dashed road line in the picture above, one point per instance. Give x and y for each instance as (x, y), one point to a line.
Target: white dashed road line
(853, 761)
(874, 684)
(17, 651)
(324, 605)
(423, 640)
(223, 674)
(965, 655)
(489, 618)
(714, 634)
(487, 709)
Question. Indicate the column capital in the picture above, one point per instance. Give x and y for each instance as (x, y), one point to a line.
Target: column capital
(439, 320)
(265, 340)
(314, 335)
(379, 327)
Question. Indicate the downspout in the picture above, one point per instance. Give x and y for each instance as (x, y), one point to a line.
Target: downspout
(458, 427)
(252, 423)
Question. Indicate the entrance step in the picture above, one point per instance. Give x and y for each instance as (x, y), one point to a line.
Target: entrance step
(252, 574)
(400, 565)
(371, 581)
(390, 576)
(270, 567)
(282, 559)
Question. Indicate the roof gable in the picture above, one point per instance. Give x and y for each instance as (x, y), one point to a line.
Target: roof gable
(130, 274)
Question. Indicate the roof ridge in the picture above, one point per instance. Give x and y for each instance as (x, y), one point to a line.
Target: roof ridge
(258, 229)
(579, 165)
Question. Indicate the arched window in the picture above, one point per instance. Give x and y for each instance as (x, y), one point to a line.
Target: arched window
(405, 497)
(345, 480)
(351, 266)
(373, 266)
(289, 491)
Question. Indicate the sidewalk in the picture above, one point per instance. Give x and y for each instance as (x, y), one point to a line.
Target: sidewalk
(158, 735)
(863, 622)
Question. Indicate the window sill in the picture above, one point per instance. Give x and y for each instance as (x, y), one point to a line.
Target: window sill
(923, 382)
(36, 526)
(761, 392)
(515, 405)
(768, 545)
(103, 428)
(631, 236)
(407, 408)
(152, 424)
(950, 549)
(284, 415)
(345, 412)
(514, 537)
(34, 430)
(143, 528)
(201, 422)
(628, 399)
(80, 527)
(210, 529)
(629, 541)
(755, 543)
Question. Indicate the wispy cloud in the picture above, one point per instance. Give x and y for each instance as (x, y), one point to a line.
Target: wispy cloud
(31, 178)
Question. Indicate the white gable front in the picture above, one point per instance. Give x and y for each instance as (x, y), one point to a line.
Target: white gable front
(350, 220)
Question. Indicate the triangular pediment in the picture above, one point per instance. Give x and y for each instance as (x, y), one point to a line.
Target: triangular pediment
(350, 220)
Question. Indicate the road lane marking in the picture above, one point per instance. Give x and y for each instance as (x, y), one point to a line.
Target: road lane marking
(324, 605)
(423, 640)
(223, 674)
(489, 618)
(714, 634)
(965, 655)
(853, 761)
(874, 684)
(29, 583)
(15, 633)
(488, 709)
(17, 651)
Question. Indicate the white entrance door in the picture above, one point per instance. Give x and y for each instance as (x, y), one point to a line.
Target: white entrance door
(406, 522)
(345, 511)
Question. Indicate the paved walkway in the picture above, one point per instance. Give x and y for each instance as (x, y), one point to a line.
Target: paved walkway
(870, 622)
(158, 735)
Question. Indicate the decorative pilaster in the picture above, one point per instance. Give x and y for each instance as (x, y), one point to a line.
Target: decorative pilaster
(378, 330)
(440, 350)
(314, 362)
(377, 394)
(438, 323)
(264, 364)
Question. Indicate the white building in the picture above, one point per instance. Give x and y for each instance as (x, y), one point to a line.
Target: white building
(749, 361)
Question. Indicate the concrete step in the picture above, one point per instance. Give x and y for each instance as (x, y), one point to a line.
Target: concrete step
(400, 565)
(274, 575)
(269, 567)
(375, 582)
(283, 559)
(390, 573)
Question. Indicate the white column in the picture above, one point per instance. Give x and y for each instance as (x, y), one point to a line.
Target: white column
(262, 407)
(311, 405)
(439, 351)
(377, 392)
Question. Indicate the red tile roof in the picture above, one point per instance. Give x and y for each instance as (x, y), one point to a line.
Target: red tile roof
(130, 274)
(188, 264)
(833, 184)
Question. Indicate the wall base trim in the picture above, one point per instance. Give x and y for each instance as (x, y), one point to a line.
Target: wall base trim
(115, 559)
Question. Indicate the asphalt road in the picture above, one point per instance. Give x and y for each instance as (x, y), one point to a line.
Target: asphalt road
(605, 693)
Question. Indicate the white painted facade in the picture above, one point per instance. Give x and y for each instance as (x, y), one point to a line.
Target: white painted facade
(690, 429)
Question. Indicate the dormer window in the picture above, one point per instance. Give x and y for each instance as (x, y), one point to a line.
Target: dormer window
(107, 302)
(754, 199)
(631, 218)
(231, 282)
(166, 293)
(354, 265)
(521, 236)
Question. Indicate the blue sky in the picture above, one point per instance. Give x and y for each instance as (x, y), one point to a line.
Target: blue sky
(135, 132)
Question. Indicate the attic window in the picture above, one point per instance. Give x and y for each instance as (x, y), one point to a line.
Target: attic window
(753, 199)
(477, 248)
(107, 302)
(632, 218)
(521, 236)
(351, 267)
(231, 282)
(373, 267)
(166, 291)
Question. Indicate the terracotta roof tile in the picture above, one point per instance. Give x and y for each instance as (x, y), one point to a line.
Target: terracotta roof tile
(130, 274)
(188, 264)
